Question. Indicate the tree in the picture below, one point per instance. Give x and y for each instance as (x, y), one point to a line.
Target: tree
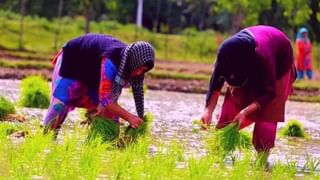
(245, 12)
(297, 11)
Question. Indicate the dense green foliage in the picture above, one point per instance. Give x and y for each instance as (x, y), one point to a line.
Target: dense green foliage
(6, 107)
(39, 37)
(173, 16)
(34, 92)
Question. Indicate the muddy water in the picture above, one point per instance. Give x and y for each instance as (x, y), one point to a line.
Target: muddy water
(174, 113)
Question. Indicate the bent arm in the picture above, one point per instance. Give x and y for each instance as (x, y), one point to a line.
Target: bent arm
(212, 102)
(118, 110)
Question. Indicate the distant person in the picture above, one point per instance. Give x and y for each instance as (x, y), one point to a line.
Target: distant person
(304, 54)
(90, 72)
(257, 65)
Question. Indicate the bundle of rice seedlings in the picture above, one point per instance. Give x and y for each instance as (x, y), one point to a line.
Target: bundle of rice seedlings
(35, 92)
(131, 134)
(294, 128)
(6, 108)
(229, 138)
(106, 129)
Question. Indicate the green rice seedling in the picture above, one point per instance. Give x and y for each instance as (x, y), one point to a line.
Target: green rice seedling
(229, 138)
(245, 139)
(200, 168)
(90, 159)
(108, 130)
(34, 92)
(261, 161)
(242, 167)
(291, 169)
(164, 162)
(311, 166)
(131, 134)
(12, 128)
(278, 171)
(294, 128)
(177, 149)
(6, 107)
(196, 125)
(62, 159)
(26, 157)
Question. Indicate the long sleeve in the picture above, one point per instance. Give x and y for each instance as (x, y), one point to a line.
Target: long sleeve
(216, 81)
(108, 73)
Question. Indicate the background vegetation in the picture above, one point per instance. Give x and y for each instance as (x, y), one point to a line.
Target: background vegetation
(179, 29)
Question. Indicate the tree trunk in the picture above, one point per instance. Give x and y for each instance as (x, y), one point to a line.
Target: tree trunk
(156, 27)
(57, 33)
(22, 13)
(88, 17)
(139, 13)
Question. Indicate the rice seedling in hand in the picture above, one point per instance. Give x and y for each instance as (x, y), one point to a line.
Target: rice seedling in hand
(131, 134)
(106, 129)
(6, 108)
(229, 138)
(294, 128)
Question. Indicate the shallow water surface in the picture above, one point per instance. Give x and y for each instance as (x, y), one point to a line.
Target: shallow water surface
(174, 113)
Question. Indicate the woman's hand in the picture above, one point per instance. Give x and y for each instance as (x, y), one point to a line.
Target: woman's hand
(206, 120)
(99, 110)
(241, 118)
(135, 121)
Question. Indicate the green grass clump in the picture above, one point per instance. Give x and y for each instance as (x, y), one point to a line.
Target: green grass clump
(106, 129)
(229, 138)
(294, 128)
(34, 92)
(6, 107)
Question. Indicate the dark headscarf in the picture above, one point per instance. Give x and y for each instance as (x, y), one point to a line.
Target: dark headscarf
(235, 57)
(135, 55)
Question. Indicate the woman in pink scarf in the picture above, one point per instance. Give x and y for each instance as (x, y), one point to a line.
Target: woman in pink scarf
(258, 66)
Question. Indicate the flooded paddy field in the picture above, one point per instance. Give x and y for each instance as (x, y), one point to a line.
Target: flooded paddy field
(175, 112)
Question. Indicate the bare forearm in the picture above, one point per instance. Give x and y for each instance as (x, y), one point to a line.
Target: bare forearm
(251, 108)
(118, 110)
(212, 102)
